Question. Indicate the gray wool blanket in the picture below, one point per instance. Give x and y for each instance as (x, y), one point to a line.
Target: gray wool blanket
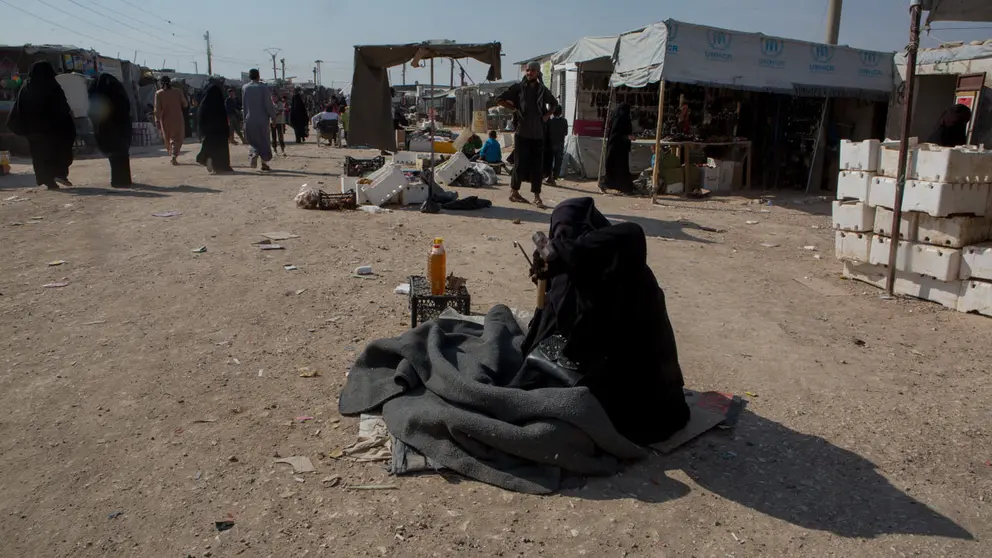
(446, 389)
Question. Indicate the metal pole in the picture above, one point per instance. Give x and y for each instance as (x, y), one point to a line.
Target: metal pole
(431, 111)
(657, 140)
(602, 150)
(833, 21)
(915, 14)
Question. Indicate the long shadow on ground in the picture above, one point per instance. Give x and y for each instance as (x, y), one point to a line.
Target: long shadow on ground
(795, 477)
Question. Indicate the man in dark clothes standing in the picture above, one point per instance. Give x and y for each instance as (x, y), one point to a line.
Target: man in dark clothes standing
(533, 104)
(233, 109)
(554, 150)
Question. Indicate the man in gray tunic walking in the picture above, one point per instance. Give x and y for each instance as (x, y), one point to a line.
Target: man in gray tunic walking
(257, 104)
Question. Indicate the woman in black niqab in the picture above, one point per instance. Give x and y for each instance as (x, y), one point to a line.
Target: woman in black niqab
(110, 113)
(298, 118)
(41, 113)
(618, 151)
(952, 129)
(604, 300)
(215, 152)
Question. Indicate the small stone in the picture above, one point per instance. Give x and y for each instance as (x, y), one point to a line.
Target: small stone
(233, 459)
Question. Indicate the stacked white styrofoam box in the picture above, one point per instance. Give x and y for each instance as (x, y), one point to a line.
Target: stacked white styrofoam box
(947, 214)
(854, 185)
(853, 246)
(853, 216)
(448, 171)
(860, 155)
(350, 184)
(405, 158)
(384, 184)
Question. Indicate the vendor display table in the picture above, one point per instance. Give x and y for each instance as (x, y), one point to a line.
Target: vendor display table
(683, 152)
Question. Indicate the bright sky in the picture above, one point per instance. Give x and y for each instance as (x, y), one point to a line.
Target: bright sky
(307, 30)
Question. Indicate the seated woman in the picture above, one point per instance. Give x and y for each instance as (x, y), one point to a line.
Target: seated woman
(326, 124)
(472, 146)
(604, 302)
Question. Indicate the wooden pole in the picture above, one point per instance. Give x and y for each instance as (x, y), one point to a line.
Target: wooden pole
(916, 13)
(657, 140)
(602, 151)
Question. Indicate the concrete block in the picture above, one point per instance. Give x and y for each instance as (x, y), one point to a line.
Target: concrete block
(888, 161)
(913, 257)
(960, 165)
(859, 155)
(976, 262)
(853, 216)
(882, 192)
(952, 232)
(908, 223)
(854, 185)
(945, 293)
(976, 296)
(852, 246)
(874, 275)
(942, 199)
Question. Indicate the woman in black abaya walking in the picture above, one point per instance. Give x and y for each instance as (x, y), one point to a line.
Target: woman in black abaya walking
(41, 113)
(215, 152)
(298, 118)
(110, 113)
(618, 152)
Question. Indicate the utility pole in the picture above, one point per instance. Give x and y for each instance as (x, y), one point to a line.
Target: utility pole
(210, 61)
(463, 74)
(282, 62)
(318, 63)
(403, 67)
(315, 76)
(273, 52)
(833, 21)
(452, 84)
(196, 67)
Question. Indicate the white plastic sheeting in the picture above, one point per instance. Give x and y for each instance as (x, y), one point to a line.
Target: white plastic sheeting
(946, 55)
(689, 53)
(959, 10)
(586, 49)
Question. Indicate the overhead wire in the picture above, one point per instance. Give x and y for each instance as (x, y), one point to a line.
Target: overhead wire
(128, 25)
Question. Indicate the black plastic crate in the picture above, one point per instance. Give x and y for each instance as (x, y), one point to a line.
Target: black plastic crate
(425, 307)
(358, 167)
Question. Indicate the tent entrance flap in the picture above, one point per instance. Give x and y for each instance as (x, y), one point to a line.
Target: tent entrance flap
(958, 10)
(371, 120)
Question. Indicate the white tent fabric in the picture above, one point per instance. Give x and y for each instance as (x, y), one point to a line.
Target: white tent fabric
(586, 49)
(639, 58)
(689, 53)
(960, 10)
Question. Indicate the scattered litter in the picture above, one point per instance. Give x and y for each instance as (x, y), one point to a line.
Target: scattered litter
(56, 263)
(516, 221)
(336, 454)
(817, 257)
(769, 245)
(271, 247)
(304, 418)
(363, 270)
(198, 475)
(200, 250)
(492, 238)
(332, 481)
(37, 218)
(224, 525)
(15, 198)
(17, 224)
(97, 322)
(736, 539)
(56, 285)
(280, 235)
(859, 342)
(236, 361)
(167, 214)
(233, 459)
(402, 289)
(374, 209)
(308, 373)
(750, 394)
(260, 372)
(809, 248)
(290, 267)
(371, 487)
(750, 222)
(299, 463)
(203, 421)
(300, 291)
(114, 515)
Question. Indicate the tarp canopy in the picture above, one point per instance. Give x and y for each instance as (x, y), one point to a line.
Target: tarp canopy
(371, 120)
(695, 54)
(586, 49)
(959, 10)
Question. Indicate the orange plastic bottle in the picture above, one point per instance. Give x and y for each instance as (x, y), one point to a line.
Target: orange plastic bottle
(437, 273)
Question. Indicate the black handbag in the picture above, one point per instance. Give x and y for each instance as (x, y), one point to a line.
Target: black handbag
(547, 359)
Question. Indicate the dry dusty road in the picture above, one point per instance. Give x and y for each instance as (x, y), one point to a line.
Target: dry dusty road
(148, 398)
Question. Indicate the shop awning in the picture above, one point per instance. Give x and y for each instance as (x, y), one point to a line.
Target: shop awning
(585, 50)
(689, 53)
(959, 10)
(371, 120)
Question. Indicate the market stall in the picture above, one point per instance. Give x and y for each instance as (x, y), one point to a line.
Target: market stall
(725, 88)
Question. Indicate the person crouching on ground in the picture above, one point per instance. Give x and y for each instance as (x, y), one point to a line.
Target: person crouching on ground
(533, 105)
(472, 147)
(491, 151)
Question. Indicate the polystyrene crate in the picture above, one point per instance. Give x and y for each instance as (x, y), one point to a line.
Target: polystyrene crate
(908, 223)
(451, 169)
(852, 246)
(853, 216)
(874, 275)
(945, 293)
(953, 232)
(350, 184)
(413, 193)
(883, 192)
(940, 263)
(854, 185)
(976, 296)
(951, 164)
(385, 183)
(942, 199)
(976, 261)
(405, 158)
(859, 155)
(888, 160)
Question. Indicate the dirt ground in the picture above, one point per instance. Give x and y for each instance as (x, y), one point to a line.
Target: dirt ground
(148, 398)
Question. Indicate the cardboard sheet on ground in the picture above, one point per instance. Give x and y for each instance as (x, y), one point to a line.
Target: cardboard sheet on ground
(708, 410)
(820, 286)
(280, 235)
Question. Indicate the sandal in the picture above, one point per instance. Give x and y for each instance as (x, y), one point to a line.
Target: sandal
(517, 198)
